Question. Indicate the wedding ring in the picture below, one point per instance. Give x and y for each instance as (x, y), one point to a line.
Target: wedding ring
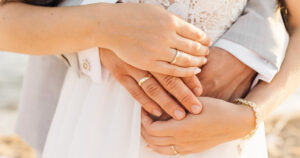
(143, 80)
(176, 57)
(172, 147)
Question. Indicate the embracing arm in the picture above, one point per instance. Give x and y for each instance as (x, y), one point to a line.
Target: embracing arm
(38, 30)
(256, 43)
(269, 96)
(258, 38)
(70, 29)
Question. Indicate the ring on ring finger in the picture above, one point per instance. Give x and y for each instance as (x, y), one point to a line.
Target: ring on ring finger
(178, 53)
(172, 147)
(144, 79)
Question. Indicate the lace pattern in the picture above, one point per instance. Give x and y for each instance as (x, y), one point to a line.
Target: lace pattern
(212, 16)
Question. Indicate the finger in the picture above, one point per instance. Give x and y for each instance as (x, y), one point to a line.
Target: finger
(182, 59)
(158, 128)
(137, 92)
(181, 92)
(156, 92)
(191, 32)
(146, 119)
(167, 150)
(186, 60)
(156, 140)
(194, 84)
(173, 70)
(191, 47)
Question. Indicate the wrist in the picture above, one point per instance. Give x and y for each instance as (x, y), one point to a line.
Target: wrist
(101, 18)
(245, 121)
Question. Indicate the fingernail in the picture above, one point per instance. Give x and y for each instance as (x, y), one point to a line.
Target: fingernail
(197, 91)
(156, 112)
(179, 114)
(196, 109)
(197, 71)
(204, 60)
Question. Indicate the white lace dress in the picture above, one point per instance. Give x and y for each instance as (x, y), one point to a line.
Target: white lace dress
(102, 120)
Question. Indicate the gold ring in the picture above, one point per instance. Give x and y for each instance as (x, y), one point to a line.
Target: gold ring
(174, 150)
(144, 79)
(176, 57)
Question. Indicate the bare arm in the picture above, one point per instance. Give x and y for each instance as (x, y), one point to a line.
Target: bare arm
(43, 30)
(269, 96)
(122, 28)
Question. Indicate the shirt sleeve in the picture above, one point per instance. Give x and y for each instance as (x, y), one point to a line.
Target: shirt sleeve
(266, 70)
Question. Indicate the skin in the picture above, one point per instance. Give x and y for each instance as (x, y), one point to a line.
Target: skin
(142, 35)
(224, 76)
(266, 96)
(154, 95)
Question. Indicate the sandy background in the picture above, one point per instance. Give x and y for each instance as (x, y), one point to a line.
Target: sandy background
(282, 128)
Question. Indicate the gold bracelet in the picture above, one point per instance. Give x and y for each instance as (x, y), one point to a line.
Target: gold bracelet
(257, 111)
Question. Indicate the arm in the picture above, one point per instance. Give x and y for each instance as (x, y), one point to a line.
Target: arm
(45, 30)
(269, 96)
(258, 38)
(255, 44)
(70, 29)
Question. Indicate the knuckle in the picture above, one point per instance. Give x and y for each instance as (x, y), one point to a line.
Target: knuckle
(170, 81)
(170, 21)
(189, 80)
(186, 99)
(147, 105)
(204, 50)
(168, 107)
(152, 90)
(135, 93)
(187, 60)
(172, 71)
(197, 47)
(198, 35)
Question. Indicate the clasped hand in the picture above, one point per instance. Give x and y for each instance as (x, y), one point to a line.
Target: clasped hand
(219, 121)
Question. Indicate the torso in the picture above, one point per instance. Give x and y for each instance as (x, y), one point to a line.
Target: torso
(212, 16)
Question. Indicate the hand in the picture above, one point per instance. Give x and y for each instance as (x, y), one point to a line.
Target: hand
(224, 76)
(151, 95)
(219, 122)
(146, 36)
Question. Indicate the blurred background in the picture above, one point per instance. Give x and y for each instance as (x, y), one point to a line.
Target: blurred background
(282, 128)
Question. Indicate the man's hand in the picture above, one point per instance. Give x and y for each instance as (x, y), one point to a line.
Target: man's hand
(219, 122)
(152, 95)
(224, 76)
(147, 36)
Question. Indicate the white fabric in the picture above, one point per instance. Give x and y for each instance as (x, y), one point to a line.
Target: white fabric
(91, 56)
(198, 17)
(102, 120)
(92, 59)
(266, 71)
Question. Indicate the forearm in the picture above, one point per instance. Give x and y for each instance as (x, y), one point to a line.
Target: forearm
(269, 96)
(43, 30)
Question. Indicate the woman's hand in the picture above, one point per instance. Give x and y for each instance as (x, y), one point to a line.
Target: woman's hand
(152, 95)
(219, 122)
(147, 36)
